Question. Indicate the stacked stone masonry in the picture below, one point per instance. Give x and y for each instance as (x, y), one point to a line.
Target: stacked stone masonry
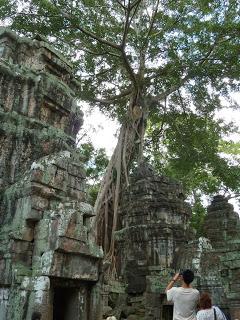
(155, 240)
(154, 226)
(48, 263)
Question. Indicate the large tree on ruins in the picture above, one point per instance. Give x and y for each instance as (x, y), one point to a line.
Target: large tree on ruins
(140, 60)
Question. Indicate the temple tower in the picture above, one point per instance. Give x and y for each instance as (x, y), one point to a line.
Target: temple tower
(48, 264)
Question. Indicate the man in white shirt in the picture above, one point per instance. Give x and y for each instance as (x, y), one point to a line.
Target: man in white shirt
(184, 298)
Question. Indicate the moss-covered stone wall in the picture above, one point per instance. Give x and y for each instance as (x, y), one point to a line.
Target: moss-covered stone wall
(155, 240)
(48, 261)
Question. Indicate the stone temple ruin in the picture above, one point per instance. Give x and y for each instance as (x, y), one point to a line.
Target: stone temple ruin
(156, 240)
(50, 268)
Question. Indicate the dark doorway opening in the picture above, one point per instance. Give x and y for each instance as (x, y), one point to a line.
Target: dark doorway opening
(167, 312)
(71, 300)
(65, 304)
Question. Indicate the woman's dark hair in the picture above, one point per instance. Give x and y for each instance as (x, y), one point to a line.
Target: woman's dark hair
(188, 276)
(205, 301)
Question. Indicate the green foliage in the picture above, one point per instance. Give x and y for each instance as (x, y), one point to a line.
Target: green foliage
(6, 8)
(198, 216)
(92, 193)
(190, 148)
(157, 47)
(229, 147)
(95, 161)
(184, 51)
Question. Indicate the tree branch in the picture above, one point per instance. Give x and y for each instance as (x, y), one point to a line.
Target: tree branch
(152, 19)
(126, 26)
(181, 101)
(190, 72)
(171, 89)
(104, 71)
(34, 15)
(213, 47)
(86, 32)
(94, 36)
(129, 68)
(111, 99)
(119, 2)
(135, 3)
(157, 73)
(100, 53)
(123, 44)
(236, 195)
(89, 33)
(134, 12)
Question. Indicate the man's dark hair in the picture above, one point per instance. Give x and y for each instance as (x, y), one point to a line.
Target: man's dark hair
(188, 276)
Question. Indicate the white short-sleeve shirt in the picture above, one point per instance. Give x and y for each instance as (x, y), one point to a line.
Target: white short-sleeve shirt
(208, 314)
(185, 301)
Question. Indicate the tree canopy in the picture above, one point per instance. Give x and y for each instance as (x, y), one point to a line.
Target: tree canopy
(184, 51)
(190, 148)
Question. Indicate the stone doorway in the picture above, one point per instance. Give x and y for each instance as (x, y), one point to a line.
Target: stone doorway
(71, 303)
(167, 312)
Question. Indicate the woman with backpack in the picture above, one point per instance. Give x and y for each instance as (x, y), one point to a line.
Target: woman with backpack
(207, 311)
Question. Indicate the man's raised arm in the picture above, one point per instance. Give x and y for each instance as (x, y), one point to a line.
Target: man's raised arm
(172, 281)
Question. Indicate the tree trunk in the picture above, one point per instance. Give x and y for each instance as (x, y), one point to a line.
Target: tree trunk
(129, 146)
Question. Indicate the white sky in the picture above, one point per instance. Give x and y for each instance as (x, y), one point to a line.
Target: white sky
(232, 116)
(101, 130)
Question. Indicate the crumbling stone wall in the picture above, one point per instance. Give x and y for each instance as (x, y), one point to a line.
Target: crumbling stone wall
(154, 226)
(155, 241)
(47, 259)
(222, 227)
(216, 258)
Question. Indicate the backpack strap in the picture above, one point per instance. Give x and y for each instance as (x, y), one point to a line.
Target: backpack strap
(215, 316)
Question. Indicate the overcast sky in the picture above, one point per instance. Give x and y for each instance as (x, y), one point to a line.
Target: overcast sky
(101, 130)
